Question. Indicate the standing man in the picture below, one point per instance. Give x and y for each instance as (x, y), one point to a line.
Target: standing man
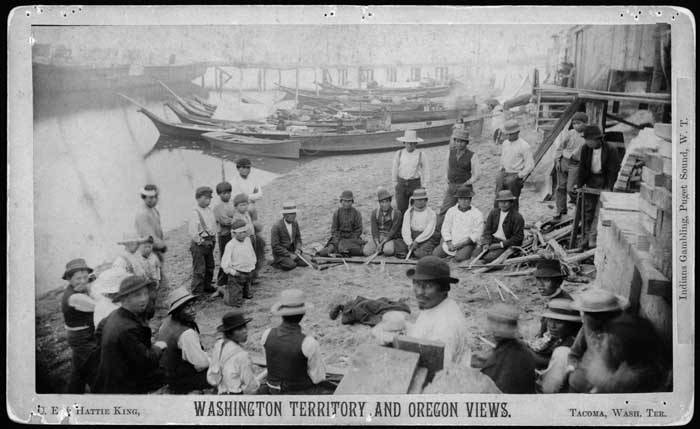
(244, 184)
(285, 240)
(567, 156)
(504, 227)
(386, 225)
(410, 169)
(516, 162)
(128, 360)
(599, 166)
(147, 224)
(462, 169)
(223, 212)
(202, 231)
(462, 228)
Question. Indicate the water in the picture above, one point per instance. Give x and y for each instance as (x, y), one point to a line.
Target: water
(92, 154)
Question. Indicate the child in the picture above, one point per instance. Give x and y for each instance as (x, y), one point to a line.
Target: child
(418, 233)
(223, 212)
(239, 261)
(202, 232)
(78, 308)
(231, 369)
(241, 204)
(346, 229)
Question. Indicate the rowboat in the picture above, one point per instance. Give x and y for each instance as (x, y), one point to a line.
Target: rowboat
(252, 146)
(177, 129)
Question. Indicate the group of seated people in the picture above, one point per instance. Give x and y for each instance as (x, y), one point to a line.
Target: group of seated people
(588, 344)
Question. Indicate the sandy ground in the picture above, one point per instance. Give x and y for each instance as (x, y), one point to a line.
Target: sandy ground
(315, 187)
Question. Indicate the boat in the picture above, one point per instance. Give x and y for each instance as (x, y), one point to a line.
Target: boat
(188, 118)
(204, 102)
(193, 102)
(245, 145)
(400, 117)
(178, 129)
(432, 91)
(189, 107)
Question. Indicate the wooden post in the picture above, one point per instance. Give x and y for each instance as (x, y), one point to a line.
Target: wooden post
(315, 81)
(296, 95)
(264, 79)
(279, 77)
(240, 83)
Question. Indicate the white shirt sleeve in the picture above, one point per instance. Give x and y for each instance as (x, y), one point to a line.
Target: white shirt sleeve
(529, 160)
(122, 263)
(255, 196)
(193, 226)
(425, 169)
(446, 230)
(264, 336)
(82, 302)
(406, 227)
(226, 259)
(429, 228)
(316, 368)
(476, 169)
(249, 384)
(192, 350)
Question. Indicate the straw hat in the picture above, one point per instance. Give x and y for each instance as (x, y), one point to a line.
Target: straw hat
(561, 309)
(383, 194)
(149, 192)
(599, 300)
(505, 195)
(130, 285)
(419, 194)
(290, 302)
(393, 323)
(289, 208)
(410, 136)
(178, 298)
(503, 320)
(459, 133)
(232, 320)
(75, 265)
(511, 126)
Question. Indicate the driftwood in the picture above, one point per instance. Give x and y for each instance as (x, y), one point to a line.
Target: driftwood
(574, 259)
(509, 251)
(527, 272)
(359, 260)
(558, 250)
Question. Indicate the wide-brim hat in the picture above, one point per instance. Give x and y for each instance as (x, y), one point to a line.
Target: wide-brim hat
(178, 298)
(431, 268)
(505, 195)
(289, 208)
(549, 268)
(78, 264)
(347, 195)
(591, 132)
(383, 194)
(511, 126)
(465, 191)
(410, 136)
(232, 320)
(291, 302)
(419, 194)
(599, 300)
(132, 284)
(503, 320)
(460, 133)
(561, 309)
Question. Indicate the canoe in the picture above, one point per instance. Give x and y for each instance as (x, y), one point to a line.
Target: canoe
(194, 103)
(193, 110)
(400, 117)
(437, 91)
(176, 129)
(251, 146)
(188, 118)
(204, 103)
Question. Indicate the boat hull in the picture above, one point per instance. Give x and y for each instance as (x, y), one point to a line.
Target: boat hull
(172, 129)
(243, 145)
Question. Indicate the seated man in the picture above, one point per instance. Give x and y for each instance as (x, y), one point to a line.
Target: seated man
(294, 361)
(461, 229)
(184, 362)
(549, 276)
(285, 240)
(231, 369)
(418, 228)
(346, 229)
(504, 227)
(562, 323)
(386, 223)
(510, 365)
(440, 318)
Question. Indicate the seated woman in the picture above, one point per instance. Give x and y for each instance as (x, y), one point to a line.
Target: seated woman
(231, 370)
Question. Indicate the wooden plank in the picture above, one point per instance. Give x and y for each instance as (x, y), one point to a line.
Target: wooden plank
(648, 208)
(619, 201)
(662, 198)
(667, 166)
(418, 381)
(379, 370)
(646, 192)
(432, 353)
(652, 177)
(655, 162)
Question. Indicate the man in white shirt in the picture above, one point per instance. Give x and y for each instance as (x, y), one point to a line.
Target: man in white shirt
(461, 229)
(201, 228)
(242, 183)
(516, 162)
(184, 362)
(409, 170)
(238, 262)
(418, 233)
(440, 318)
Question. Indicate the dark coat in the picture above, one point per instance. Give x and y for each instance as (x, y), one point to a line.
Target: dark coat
(609, 161)
(127, 359)
(280, 241)
(511, 366)
(394, 229)
(513, 228)
(369, 311)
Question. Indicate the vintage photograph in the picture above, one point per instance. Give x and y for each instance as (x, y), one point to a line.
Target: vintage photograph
(354, 209)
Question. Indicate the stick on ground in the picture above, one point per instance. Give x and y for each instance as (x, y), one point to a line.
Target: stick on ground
(506, 288)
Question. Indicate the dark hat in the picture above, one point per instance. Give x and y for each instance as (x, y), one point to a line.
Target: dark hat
(465, 191)
(131, 284)
(347, 195)
(580, 116)
(240, 198)
(591, 132)
(232, 320)
(561, 309)
(383, 194)
(243, 162)
(505, 195)
(549, 268)
(431, 268)
(203, 190)
(223, 187)
(239, 225)
(75, 265)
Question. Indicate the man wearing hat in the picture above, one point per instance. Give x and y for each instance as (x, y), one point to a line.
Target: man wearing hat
(418, 230)
(562, 325)
(223, 212)
(184, 362)
(385, 222)
(346, 229)
(130, 259)
(566, 160)
(78, 308)
(201, 228)
(231, 370)
(440, 318)
(504, 227)
(510, 364)
(243, 183)
(462, 168)
(238, 261)
(516, 162)
(285, 240)
(549, 275)
(462, 228)
(294, 361)
(409, 170)
(599, 166)
(128, 361)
